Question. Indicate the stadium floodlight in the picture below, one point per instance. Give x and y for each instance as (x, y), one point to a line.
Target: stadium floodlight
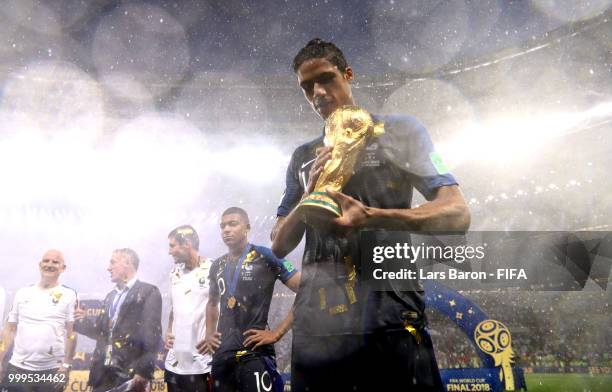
(515, 140)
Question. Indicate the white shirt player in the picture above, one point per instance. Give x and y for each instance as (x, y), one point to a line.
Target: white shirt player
(41, 316)
(189, 295)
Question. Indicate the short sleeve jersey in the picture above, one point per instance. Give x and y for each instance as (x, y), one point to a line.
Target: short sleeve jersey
(41, 316)
(189, 295)
(253, 293)
(332, 299)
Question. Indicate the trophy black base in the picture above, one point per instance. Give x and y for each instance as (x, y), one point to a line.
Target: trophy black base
(318, 210)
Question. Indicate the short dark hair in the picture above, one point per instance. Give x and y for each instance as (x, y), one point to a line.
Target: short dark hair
(237, 210)
(317, 49)
(131, 255)
(186, 233)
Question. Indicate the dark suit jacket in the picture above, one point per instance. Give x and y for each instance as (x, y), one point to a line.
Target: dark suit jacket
(136, 336)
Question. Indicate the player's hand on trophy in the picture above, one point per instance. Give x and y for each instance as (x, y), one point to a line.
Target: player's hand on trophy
(80, 313)
(324, 154)
(168, 341)
(260, 337)
(211, 342)
(354, 214)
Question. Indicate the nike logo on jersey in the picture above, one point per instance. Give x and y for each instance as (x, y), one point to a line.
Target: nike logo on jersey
(308, 163)
(302, 174)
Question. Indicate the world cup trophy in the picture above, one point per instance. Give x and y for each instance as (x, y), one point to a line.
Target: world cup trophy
(348, 130)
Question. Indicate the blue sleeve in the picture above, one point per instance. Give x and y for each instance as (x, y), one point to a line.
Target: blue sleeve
(293, 188)
(283, 268)
(408, 144)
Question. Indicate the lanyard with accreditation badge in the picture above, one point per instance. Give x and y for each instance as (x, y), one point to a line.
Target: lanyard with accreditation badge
(233, 281)
(114, 308)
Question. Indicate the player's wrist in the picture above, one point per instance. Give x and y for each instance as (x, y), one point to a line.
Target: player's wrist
(65, 367)
(372, 219)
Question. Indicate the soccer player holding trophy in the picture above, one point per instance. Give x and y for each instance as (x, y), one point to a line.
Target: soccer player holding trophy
(241, 285)
(359, 175)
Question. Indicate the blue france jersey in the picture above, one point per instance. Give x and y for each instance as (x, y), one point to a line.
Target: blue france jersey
(252, 294)
(332, 298)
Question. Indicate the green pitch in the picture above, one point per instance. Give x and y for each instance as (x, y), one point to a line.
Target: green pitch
(568, 383)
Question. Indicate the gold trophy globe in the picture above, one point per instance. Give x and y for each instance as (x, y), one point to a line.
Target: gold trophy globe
(348, 130)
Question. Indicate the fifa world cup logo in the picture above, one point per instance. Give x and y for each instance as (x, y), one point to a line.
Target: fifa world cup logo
(493, 337)
(348, 129)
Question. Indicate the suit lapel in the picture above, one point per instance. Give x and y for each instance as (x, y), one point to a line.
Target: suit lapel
(130, 297)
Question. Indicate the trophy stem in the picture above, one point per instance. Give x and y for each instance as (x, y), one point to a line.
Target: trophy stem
(318, 209)
(322, 200)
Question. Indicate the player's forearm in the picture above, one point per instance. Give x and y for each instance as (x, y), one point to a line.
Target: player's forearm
(70, 345)
(284, 326)
(288, 235)
(449, 218)
(445, 214)
(212, 316)
(170, 321)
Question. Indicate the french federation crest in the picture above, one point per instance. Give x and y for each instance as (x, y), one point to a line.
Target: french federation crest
(55, 297)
